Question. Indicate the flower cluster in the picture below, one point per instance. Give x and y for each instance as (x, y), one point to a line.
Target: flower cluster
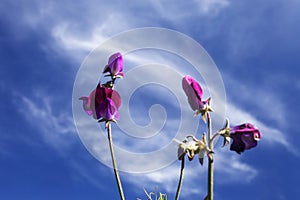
(192, 146)
(244, 136)
(103, 102)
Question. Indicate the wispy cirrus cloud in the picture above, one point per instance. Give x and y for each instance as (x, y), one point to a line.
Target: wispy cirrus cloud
(71, 32)
(54, 125)
(67, 38)
(263, 108)
(212, 8)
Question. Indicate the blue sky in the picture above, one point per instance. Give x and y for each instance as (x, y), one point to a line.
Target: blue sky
(255, 45)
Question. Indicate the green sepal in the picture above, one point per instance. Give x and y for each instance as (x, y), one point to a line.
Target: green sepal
(108, 84)
(225, 133)
(205, 111)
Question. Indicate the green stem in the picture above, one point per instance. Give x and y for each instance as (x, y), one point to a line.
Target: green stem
(180, 179)
(210, 181)
(114, 161)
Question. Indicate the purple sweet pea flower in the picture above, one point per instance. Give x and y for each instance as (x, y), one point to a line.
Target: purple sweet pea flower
(115, 65)
(103, 103)
(194, 93)
(244, 137)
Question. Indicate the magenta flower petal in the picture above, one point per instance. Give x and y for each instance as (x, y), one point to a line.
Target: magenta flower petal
(194, 93)
(89, 103)
(244, 137)
(115, 65)
(107, 110)
(103, 103)
(107, 103)
(86, 102)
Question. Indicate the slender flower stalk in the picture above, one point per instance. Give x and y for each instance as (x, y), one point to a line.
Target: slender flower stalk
(180, 179)
(112, 153)
(210, 181)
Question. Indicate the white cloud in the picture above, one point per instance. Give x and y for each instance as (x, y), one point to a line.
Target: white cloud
(84, 33)
(231, 168)
(55, 126)
(269, 134)
(70, 39)
(175, 12)
(263, 101)
(261, 107)
(211, 7)
(79, 28)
